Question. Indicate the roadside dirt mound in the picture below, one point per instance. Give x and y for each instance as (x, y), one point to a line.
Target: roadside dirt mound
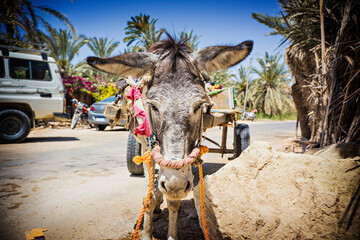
(265, 194)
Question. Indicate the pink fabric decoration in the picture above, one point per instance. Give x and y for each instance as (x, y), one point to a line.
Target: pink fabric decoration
(144, 128)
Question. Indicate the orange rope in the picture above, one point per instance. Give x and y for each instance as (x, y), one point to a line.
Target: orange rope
(203, 150)
(138, 160)
(147, 159)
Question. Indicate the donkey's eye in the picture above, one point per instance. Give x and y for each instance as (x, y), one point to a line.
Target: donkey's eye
(154, 108)
(197, 108)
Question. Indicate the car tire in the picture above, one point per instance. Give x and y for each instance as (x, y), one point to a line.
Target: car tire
(74, 120)
(14, 126)
(242, 135)
(133, 149)
(100, 127)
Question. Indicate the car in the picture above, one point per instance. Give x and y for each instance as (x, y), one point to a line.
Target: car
(96, 114)
(31, 89)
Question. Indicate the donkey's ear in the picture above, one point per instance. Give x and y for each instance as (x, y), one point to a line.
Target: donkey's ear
(222, 57)
(128, 64)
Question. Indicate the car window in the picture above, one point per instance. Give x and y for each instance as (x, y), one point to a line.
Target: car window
(2, 69)
(28, 69)
(109, 99)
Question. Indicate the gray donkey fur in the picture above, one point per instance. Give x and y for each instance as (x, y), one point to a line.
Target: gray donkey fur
(173, 101)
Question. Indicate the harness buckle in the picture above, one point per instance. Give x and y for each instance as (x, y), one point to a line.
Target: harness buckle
(151, 141)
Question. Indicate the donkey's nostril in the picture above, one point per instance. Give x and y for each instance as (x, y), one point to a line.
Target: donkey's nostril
(188, 186)
(162, 183)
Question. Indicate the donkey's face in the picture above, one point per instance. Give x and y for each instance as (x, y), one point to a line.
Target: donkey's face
(174, 98)
(175, 103)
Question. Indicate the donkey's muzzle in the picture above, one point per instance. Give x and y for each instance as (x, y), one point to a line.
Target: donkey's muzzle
(175, 189)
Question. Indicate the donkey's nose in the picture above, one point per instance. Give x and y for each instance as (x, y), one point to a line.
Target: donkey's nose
(175, 188)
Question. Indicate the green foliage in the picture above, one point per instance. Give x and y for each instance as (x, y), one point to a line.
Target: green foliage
(102, 47)
(222, 77)
(141, 32)
(294, 23)
(270, 92)
(64, 46)
(327, 89)
(191, 39)
(104, 92)
(242, 77)
(23, 25)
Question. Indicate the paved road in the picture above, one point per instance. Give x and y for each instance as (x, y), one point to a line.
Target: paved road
(75, 182)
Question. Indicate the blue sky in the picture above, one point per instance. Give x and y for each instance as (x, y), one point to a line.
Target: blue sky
(218, 22)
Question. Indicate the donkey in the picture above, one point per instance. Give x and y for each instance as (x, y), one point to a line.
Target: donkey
(173, 99)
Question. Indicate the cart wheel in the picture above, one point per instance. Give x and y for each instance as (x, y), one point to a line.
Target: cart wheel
(133, 149)
(242, 135)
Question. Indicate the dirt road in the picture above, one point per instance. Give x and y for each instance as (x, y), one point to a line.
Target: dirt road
(75, 182)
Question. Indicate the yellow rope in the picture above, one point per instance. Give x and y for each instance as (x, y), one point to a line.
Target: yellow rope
(147, 159)
(138, 160)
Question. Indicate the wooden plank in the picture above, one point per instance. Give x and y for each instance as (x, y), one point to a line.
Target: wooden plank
(226, 111)
(219, 118)
(217, 150)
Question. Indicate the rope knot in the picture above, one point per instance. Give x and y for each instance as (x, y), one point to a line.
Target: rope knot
(146, 158)
(203, 150)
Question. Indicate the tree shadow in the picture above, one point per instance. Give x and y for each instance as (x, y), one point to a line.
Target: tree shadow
(50, 139)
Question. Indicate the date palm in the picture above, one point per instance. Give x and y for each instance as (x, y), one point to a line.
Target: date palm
(21, 24)
(270, 90)
(64, 46)
(102, 47)
(334, 116)
(223, 77)
(141, 32)
(191, 39)
(242, 77)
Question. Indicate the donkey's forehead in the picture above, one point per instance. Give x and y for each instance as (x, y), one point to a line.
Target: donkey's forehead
(181, 89)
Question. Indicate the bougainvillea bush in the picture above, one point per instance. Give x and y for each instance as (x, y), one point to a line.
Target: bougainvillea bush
(98, 87)
(75, 84)
(105, 88)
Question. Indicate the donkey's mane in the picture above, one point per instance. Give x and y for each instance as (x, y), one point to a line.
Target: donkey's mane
(173, 49)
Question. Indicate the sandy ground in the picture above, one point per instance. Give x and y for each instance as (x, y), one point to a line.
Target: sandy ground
(75, 183)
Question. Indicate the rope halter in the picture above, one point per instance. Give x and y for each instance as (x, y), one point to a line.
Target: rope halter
(191, 159)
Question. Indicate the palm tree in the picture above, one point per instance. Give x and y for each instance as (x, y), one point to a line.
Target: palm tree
(191, 39)
(21, 24)
(64, 46)
(270, 91)
(242, 78)
(326, 101)
(141, 31)
(102, 47)
(222, 77)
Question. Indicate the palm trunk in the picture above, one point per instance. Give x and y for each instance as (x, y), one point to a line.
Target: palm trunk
(302, 111)
(324, 124)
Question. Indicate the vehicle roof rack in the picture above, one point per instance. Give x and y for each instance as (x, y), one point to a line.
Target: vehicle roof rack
(5, 49)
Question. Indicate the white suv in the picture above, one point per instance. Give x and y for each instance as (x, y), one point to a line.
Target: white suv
(31, 89)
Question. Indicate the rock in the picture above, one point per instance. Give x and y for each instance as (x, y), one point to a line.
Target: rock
(265, 194)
